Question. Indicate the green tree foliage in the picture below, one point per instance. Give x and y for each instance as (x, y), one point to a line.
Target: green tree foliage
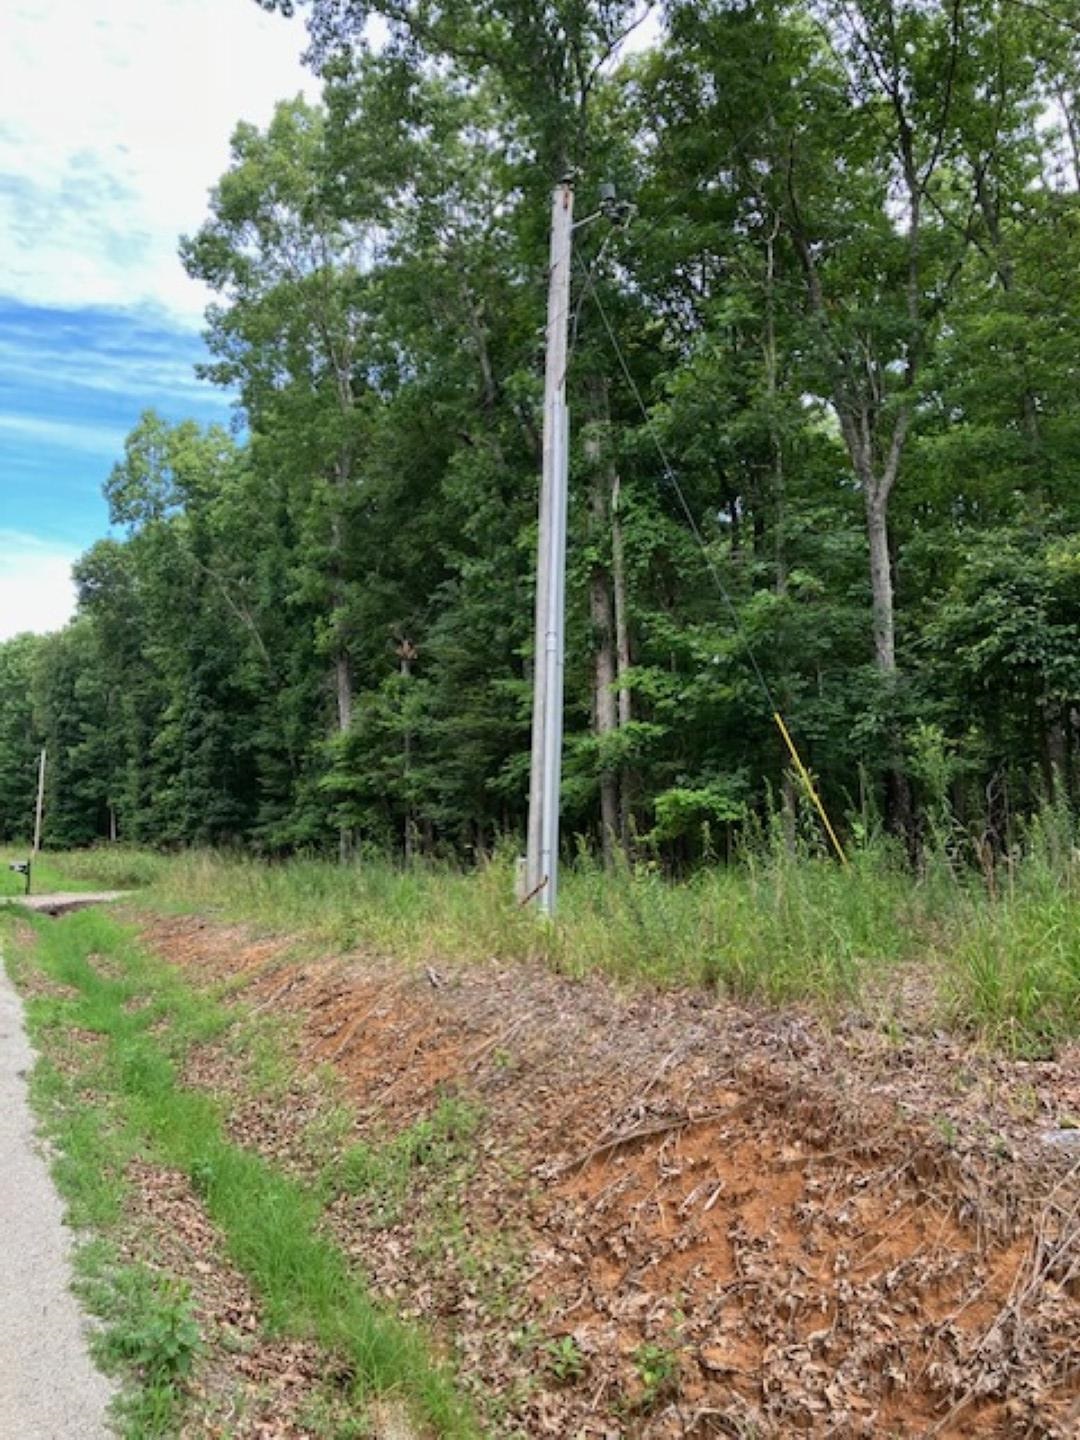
(846, 317)
(19, 736)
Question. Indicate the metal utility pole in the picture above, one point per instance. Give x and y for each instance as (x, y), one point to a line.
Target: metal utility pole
(40, 802)
(542, 857)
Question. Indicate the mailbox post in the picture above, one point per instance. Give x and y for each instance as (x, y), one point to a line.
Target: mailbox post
(21, 867)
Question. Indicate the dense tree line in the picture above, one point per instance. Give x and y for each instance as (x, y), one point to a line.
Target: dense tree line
(847, 293)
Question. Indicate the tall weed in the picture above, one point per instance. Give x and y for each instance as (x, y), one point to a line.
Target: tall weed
(782, 922)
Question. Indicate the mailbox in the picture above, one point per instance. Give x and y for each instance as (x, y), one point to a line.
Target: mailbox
(21, 867)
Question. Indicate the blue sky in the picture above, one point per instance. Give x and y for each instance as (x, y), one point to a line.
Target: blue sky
(115, 120)
(114, 123)
(72, 383)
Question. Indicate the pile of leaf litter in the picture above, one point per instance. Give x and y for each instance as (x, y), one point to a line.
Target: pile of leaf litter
(660, 1215)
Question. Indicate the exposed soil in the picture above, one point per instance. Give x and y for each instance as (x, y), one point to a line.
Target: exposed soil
(686, 1217)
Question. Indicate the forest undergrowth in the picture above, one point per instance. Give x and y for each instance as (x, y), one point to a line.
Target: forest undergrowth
(992, 949)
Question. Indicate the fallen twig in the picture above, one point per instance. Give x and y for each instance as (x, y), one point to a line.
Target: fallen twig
(648, 1132)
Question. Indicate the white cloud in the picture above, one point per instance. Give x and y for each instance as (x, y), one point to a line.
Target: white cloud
(30, 360)
(36, 589)
(89, 438)
(114, 122)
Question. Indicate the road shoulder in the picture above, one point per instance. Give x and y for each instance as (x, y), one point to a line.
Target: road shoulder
(49, 1388)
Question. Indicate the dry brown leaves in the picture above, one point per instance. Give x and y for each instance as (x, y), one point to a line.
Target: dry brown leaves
(690, 1218)
(244, 1384)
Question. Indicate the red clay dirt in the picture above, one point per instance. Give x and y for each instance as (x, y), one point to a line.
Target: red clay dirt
(684, 1217)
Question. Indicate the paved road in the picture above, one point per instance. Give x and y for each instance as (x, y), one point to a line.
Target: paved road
(49, 1389)
(61, 903)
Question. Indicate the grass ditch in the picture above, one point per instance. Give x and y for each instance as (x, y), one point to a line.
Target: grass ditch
(996, 952)
(123, 1100)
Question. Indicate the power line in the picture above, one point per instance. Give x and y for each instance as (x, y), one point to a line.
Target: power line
(673, 481)
(695, 530)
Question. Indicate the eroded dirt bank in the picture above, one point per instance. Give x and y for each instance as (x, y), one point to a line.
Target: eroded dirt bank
(666, 1216)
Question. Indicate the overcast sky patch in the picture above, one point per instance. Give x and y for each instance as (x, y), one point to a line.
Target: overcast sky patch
(114, 122)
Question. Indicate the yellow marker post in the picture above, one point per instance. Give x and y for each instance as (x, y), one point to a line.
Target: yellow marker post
(804, 775)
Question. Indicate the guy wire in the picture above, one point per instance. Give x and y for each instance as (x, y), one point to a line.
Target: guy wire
(695, 530)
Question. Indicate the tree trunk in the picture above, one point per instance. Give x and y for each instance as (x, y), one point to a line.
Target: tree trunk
(788, 789)
(407, 653)
(623, 659)
(602, 616)
(343, 689)
(342, 662)
(606, 719)
(1069, 111)
(881, 585)
(990, 205)
(1056, 749)
(899, 812)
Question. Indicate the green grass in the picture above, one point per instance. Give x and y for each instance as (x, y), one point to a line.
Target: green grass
(1014, 967)
(998, 951)
(129, 1100)
(105, 867)
(46, 874)
(148, 1333)
(778, 928)
(384, 1173)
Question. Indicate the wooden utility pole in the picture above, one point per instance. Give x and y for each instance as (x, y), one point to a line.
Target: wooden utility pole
(40, 811)
(545, 776)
